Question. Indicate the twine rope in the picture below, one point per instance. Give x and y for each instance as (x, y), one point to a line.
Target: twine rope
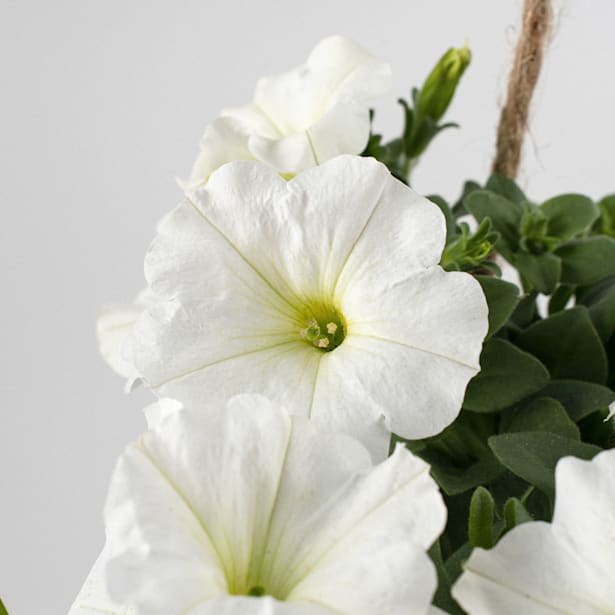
(537, 20)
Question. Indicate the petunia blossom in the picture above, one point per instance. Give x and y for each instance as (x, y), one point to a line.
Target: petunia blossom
(302, 117)
(562, 567)
(323, 293)
(113, 325)
(242, 509)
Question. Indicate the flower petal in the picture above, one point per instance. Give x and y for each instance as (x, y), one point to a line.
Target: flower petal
(224, 140)
(337, 67)
(438, 312)
(290, 154)
(94, 599)
(365, 541)
(310, 225)
(562, 567)
(585, 510)
(404, 234)
(212, 503)
(343, 129)
(532, 570)
(242, 605)
(418, 392)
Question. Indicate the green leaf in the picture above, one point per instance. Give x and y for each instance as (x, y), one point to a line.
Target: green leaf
(606, 223)
(448, 215)
(526, 312)
(468, 187)
(560, 298)
(506, 187)
(3, 610)
(534, 455)
(480, 524)
(505, 217)
(586, 261)
(541, 271)
(454, 564)
(543, 414)
(568, 344)
(454, 480)
(442, 598)
(580, 399)
(515, 514)
(502, 299)
(600, 301)
(507, 375)
(569, 215)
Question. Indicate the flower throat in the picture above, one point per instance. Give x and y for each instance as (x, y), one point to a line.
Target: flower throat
(325, 330)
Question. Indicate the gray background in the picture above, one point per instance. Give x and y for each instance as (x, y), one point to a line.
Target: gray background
(102, 104)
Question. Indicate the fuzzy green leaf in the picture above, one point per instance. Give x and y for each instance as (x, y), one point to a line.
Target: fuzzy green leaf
(504, 214)
(541, 271)
(600, 301)
(506, 187)
(480, 523)
(568, 344)
(515, 514)
(543, 414)
(533, 455)
(502, 299)
(569, 215)
(580, 399)
(588, 260)
(507, 375)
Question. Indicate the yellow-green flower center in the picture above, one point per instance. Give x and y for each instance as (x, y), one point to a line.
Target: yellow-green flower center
(325, 329)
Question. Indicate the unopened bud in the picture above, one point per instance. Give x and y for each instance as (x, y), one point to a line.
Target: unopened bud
(437, 92)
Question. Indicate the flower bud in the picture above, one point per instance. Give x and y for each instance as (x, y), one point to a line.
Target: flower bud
(437, 92)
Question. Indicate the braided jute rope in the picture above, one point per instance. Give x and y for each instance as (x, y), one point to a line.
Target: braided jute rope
(537, 19)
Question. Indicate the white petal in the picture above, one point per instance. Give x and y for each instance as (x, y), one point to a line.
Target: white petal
(211, 503)
(382, 575)
(156, 413)
(252, 121)
(585, 510)
(289, 154)
(214, 304)
(360, 549)
(343, 129)
(336, 68)
(114, 326)
(94, 599)
(562, 567)
(241, 605)
(419, 393)
(224, 140)
(150, 559)
(404, 234)
(532, 570)
(311, 224)
(436, 312)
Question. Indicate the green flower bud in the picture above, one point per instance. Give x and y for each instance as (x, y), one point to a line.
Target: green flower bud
(437, 92)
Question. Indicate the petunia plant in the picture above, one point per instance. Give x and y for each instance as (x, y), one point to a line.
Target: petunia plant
(369, 401)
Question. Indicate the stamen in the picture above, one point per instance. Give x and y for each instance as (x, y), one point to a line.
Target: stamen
(313, 330)
(331, 328)
(323, 342)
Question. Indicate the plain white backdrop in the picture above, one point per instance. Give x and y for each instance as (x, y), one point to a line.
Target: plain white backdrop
(102, 104)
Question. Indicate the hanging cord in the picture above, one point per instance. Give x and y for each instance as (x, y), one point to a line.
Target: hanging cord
(537, 18)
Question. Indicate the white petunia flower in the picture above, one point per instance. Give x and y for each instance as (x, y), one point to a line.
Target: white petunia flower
(113, 326)
(563, 567)
(302, 117)
(241, 510)
(255, 271)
